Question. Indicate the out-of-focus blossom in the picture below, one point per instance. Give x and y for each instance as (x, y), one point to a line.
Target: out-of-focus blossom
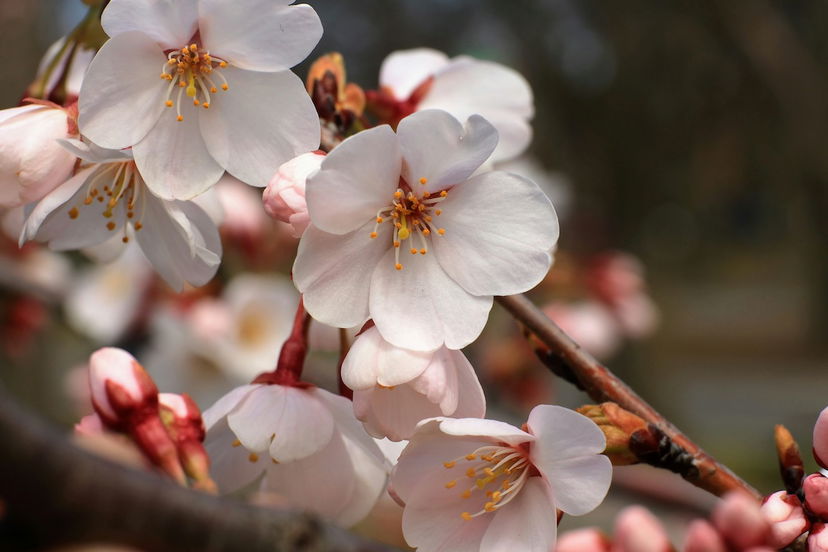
(555, 185)
(242, 217)
(702, 537)
(786, 517)
(739, 520)
(590, 324)
(818, 538)
(638, 530)
(32, 162)
(225, 100)
(419, 79)
(395, 388)
(815, 487)
(583, 540)
(400, 233)
(284, 197)
(484, 485)
(820, 440)
(109, 198)
(46, 270)
(312, 451)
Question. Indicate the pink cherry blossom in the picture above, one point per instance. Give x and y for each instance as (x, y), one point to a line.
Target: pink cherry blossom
(284, 197)
(703, 537)
(472, 484)
(786, 517)
(638, 530)
(583, 540)
(815, 487)
(740, 521)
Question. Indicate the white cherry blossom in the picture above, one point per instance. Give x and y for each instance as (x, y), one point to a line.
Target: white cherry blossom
(303, 443)
(473, 485)
(108, 199)
(225, 98)
(400, 232)
(395, 388)
(423, 78)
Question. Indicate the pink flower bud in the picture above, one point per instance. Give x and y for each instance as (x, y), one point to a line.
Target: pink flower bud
(284, 197)
(786, 517)
(583, 540)
(637, 530)
(740, 521)
(815, 488)
(32, 163)
(121, 389)
(818, 539)
(702, 537)
(187, 431)
(821, 439)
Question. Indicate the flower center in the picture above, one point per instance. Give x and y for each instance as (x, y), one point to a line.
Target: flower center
(411, 215)
(193, 70)
(114, 184)
(497, 472)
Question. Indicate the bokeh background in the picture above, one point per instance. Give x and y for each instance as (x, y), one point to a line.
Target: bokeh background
(692, 134)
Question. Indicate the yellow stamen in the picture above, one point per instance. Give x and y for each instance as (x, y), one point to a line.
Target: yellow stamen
(448, 465)
(73, 213)
(253, 457)
(451, 484)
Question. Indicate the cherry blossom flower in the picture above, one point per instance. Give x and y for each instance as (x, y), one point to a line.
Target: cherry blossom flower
(225, 99)
(470, 484)
(284, 197)
(638, 530)
(305, 445)
(400, 233)
(395, 388)
(419, 79)
(786, 518)
(107, 199)
(32, 163)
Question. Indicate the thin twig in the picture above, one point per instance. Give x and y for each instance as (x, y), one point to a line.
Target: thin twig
(602, 385)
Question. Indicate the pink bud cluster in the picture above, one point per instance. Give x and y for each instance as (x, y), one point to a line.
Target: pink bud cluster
(166, 428)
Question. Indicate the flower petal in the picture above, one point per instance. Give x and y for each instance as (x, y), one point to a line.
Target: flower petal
(372, 360)
(51, 202)
(174, 160)
(499, 229)
(580, 484)
(356, 179)
(330, 271)
(122, 96)
(225, 404)
(437, 147)
(471, 402)
(527, 523)
(260, 122)
(171, 23)
(420, 307)
(393, 413)
(93, 153)
(230, 466)
(561, 434)
(403, 71)
(259, 35)
(492, 430)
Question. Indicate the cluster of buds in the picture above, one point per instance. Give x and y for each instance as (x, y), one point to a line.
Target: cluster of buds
(166, 429)
(338, 102)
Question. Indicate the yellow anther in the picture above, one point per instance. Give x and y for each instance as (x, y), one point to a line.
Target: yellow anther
(397, 194)
(496, 496)
(467, 516)
(193, 47)
(379, 220)
(441, 231)
(489, 507)
(451, 484)
(196, 102)
(130, 214)
(179, 118)
(224, 87)
(423, 251)
(110, 225)
(182, 84)
(168, 103)
(73, 213)
(396, 244)
(423, 180)
(413, 251)
(213, 90)
(138, 225)
(206, 105)
(87, 201)
(426, 231)
(449, 465)
(471, 457)
(506, 484)
(253, 457)
(489, 471)
(438, 212)
(488, 458)
(470, 472)
(125, 239)
(465, 494)
(373, 235)
(223, 64)
(443, 193)
(398, 266)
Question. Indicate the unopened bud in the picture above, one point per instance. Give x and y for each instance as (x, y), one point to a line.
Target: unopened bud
(703, 537)
(284, 197)
(821, 439)
(638, 530)
(739, 520)
(815, 488)
(583, 540)
(120, 387)
(628, 436)
(790, 460)
(787, 519)
(186, 428)
(818, 539)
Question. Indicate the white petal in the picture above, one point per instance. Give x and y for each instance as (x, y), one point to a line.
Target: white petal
(393, 413)
(51, 202)
(224, 405)
(259, 35)
(173, 158)
(171, 23)
(562, 433)
(527, 523)
(372, 360)
(466, 86)
(260, 122)
(122, 95)
(93, 153)
(471, 402)
(290, 422)
(420, 307)
(437, 147)
(358, 178)
(579, 484)
(403, 71)
(490, 429)
(330, 271)
(499, 231)
(230, 466)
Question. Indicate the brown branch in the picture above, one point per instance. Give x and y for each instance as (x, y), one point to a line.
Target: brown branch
(55, 493)
(602, 385)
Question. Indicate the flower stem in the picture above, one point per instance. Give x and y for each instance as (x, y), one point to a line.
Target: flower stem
(292, 356)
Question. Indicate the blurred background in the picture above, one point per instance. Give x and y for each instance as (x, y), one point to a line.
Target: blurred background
(688, 134)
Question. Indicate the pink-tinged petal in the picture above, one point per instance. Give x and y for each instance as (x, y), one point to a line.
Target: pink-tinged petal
(51, 203)
(438, 148)
(702, 537)
(260, 122)
(466, 86)
(175, 238)
(562, 434)
(785, 514)
(357, 179)
(171, 23)
(438, 383)
(491, 430)
(330, 271)
(224, 405)
(528, 523)
(372, 360)
(579, 484)
(122, 95)
(290, 422)
(174, 160)
(471, 402)
(405, 70)
(393, 413)
(638, 530)
(420, 307)
(259, 35)
(499, 229)
(740, 521)
(821, 439)
(232, 466)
